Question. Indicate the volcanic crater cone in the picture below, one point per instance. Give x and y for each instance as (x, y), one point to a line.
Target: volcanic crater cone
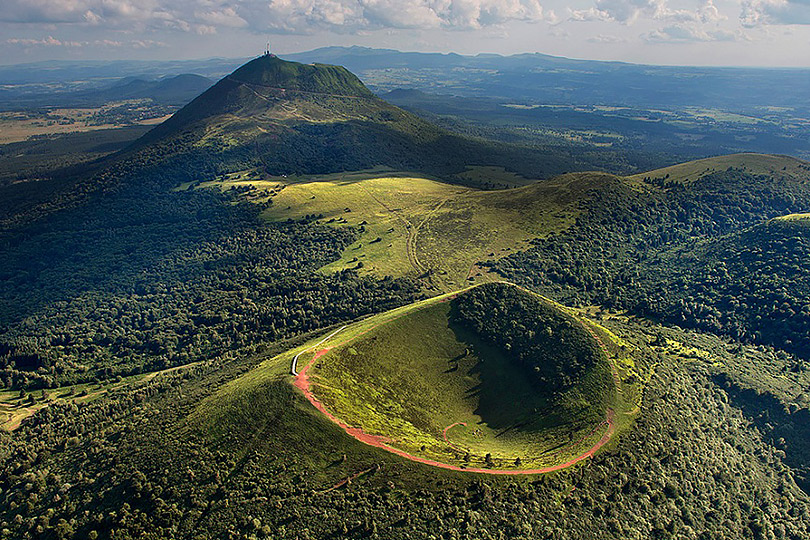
(493, 377)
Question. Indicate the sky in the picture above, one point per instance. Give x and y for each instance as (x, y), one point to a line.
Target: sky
(701, 32)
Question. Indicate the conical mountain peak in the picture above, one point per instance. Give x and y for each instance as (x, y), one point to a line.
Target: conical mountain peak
(273, 72)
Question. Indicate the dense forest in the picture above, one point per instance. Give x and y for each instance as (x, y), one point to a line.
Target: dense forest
(751, 285)
(119, 266)
(553, 348)
(144, 281)
(682, 253)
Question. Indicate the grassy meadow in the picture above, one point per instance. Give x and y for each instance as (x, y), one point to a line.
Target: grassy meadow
(411, 225)
(409, 374)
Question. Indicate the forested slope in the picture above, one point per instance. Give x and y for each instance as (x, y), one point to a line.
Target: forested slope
(695, 254)
(120, 272)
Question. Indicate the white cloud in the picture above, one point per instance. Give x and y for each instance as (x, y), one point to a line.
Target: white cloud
(606, 39)
(205, 29)
(93, 12)
(50, 41)
(350, 15)
(775, 12)
(227, 17)
(146, 44)
(588, 15)
(680, 33)
(630, 11)
(91, 17)
(709, 13)
(624, 11)
(286, 16)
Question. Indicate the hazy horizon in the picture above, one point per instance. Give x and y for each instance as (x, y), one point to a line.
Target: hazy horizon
(406, 51)
(744, 33)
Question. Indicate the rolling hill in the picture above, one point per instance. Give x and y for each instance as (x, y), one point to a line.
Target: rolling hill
(449, 235)
(177, 90)
(293, 118)
(407, 396)
(150, 330)
(755, 164)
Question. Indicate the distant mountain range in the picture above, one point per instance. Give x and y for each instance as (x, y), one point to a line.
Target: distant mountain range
(553, 79)
(170, 91)
(531, 76)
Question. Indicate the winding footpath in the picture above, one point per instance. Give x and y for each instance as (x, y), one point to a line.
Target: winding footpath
(302, 382)
(444, 436)
(294, 366)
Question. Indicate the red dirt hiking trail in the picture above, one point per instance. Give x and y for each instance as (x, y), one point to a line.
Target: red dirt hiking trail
(302, 382)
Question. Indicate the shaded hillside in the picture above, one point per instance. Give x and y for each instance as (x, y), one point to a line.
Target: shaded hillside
(284, 118)
(293, 118)
(537, 336)
(752, 285)
(674, 245)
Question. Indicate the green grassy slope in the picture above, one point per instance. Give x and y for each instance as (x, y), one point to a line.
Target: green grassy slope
(412, 225)
(751, 163)
(409, 374)
(274, 72)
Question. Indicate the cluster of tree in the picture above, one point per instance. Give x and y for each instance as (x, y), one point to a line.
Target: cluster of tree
(785, 425)
(555, 349)
(156, 282)
(684, 254)
(137, 464)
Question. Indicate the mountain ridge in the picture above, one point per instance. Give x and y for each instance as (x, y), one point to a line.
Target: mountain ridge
(273, 72)
(293, 118)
